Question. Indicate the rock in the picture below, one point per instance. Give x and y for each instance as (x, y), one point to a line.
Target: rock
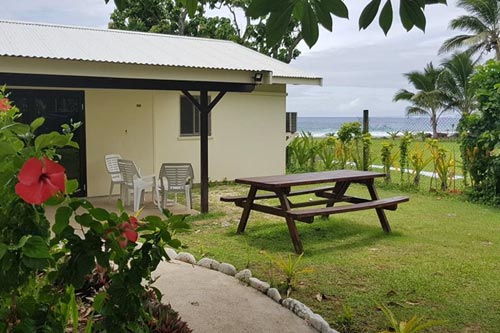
(274, 294)
(320, 324)
(226, 224)
(208, 263)
(259, 285)
(171, 253)
(299, 308)
(186, 257)
(244, 275)
(227, 269)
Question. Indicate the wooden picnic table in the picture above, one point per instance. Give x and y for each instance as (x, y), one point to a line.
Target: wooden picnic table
(337, 182)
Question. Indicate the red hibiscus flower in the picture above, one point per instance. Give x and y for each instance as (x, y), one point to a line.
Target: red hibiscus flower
(40, 180)
(127, 232)
(5, 104)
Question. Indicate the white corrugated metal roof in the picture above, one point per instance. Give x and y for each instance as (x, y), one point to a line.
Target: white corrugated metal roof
(48, 41)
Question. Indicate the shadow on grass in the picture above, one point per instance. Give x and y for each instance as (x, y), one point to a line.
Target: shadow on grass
(322, 236)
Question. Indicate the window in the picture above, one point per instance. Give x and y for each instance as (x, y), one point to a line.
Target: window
(190, 118)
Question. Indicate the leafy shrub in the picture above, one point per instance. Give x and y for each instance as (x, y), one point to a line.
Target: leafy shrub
(40, 271)
(480, 135)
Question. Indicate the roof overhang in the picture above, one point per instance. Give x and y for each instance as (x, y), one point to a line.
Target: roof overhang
(78, 68)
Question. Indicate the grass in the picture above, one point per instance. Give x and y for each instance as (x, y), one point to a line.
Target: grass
(441, 261)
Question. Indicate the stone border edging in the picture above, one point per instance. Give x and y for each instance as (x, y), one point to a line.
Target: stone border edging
(298, 308)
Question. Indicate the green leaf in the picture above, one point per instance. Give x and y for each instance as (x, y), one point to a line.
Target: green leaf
(277, 25)
(99, 214)
(368, 14)
(411, 15)
(62, 219)
(35, 124)
(3, 250)
(299, 10)
(309, 24)
(260, 8)
(20, 244)
(71, 186)
(191, 6)
(323, 15)
(49, 140)
(36, 247)
(336, 7)
(386, 17)
(99, 301)
(84, 219)
(175, 243)
(120, 4)
(6, 149)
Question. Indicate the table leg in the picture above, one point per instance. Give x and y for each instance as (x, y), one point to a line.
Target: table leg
(338, 192)
(380, 212)
(246, 210)
(290, 222)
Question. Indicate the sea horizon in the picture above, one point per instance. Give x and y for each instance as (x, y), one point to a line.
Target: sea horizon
(378, 126)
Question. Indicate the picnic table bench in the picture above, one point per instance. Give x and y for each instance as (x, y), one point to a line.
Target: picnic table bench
(280, 187)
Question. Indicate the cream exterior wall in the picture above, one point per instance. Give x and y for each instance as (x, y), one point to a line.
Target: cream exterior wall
(247, 133)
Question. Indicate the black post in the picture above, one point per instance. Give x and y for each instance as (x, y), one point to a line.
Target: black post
(366, 129)
(205, 109)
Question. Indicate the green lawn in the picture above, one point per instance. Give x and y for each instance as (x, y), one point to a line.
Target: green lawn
(442, 260)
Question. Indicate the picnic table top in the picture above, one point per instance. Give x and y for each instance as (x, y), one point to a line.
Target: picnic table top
(309, 178)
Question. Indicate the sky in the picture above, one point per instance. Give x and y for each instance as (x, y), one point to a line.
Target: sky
(361, 69)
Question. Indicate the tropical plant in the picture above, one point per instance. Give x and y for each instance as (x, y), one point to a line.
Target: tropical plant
(428, 99)
(388, 159)
(352, 142)
(480, 135)
(418, 161)
(404, 145)
(291, 269)
(443, 164)
(413, 325)
(454, 82)
(311, 14)
(327, 149)
(483, 25)
(303, 150)
(43, 267)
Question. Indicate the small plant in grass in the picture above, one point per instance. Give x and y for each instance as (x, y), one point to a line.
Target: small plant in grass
(303, 150)
(393, 135)
(418, 163)
(291, 269)
(345, 321)
(404, 145)
(349, 135)
(327, 152)
(388, 159)
(443, 164)
(414, 325)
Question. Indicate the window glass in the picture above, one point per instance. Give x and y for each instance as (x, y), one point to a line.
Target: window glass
(190, 118)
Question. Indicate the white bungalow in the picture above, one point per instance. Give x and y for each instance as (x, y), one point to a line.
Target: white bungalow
(133, 90)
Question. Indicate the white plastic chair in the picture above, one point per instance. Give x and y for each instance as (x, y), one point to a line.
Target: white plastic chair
(111, 161)
(176, 178)
(135, 183)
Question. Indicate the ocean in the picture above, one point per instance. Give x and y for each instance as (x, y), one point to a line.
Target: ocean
(378, 126)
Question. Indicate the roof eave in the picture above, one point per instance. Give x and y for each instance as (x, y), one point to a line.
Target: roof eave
(310, 81)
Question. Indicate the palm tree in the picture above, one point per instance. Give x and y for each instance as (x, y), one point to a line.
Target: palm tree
(454, 82)
(483, 24)
(428, 99)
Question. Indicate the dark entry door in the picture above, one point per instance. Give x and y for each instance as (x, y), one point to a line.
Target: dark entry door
(58, 107)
